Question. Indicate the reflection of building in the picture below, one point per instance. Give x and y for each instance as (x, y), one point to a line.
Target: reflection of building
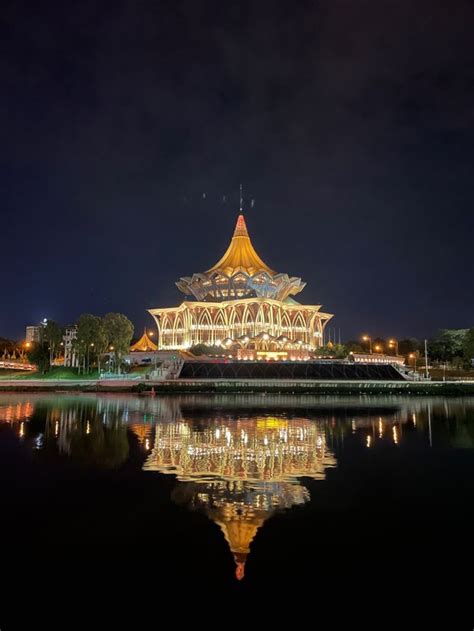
(241, 471)
(240, 303)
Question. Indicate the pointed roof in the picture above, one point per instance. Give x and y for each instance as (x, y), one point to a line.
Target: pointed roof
(240, 256)
(144, 344)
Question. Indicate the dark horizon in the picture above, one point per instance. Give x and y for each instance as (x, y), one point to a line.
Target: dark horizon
(128, 129)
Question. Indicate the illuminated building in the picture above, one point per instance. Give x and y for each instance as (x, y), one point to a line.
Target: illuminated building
(241, 471)
(71, 358)
(244, 306)
(144, 344)
(33, 334)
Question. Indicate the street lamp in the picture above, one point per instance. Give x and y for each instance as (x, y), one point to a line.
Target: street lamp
(413, 356)
(378, 348)
(393, 344)
(367, 338)
(157, 320)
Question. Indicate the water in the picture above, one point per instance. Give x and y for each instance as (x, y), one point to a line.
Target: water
(366, 502)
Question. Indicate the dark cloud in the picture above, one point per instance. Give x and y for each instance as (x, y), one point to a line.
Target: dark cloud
(350, 123)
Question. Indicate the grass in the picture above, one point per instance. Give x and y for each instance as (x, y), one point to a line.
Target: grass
(58, 372)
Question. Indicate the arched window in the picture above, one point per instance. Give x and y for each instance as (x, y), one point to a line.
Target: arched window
(205, 328)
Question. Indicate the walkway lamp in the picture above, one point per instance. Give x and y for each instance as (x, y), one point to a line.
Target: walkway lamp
(393, 344)
(367, 338)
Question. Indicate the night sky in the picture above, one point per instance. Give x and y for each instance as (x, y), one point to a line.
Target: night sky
(127, 127)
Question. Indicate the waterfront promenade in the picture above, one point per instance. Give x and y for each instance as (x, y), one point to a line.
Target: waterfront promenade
(274, 386)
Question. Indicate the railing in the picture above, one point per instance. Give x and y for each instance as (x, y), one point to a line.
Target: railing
(16, 365)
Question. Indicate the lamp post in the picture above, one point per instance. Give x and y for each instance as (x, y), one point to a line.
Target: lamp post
(413, 356)
(367, 338)
(393, 344)
(91, 345)
(378, 348)
(157, 319)
(111, 348)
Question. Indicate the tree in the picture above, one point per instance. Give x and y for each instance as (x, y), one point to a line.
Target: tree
(206, 349)
(409, 345)
(354, 346)
(92, 340)
(447, 345)
(119, 332)
(468, 348)
(101, 342)
(87, 326)
(39, 355)
(52, 336)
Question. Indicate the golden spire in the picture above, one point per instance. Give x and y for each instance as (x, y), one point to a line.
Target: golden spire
(240, 256)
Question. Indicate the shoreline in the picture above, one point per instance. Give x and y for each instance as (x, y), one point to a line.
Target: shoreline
(225, 386)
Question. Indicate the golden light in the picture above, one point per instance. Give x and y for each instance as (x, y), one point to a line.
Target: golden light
(369, 440)
(366, 338)
(151, 333)
(378, 348)
(111, 348)
(28, 344)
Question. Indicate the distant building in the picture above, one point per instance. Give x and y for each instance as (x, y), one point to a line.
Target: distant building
(70, 358)
(33, 334)
(144, 344)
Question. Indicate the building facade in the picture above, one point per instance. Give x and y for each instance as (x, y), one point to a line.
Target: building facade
(33, 334)
(71, 359)
(243, 305)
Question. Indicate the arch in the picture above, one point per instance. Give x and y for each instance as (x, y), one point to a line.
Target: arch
(193, 332)
(220, 327)
(248, 321)
(178, 331)
(235, 323)
(260, 320)
(299, 327)
(165, 330)
(204, 332)
(286, 328)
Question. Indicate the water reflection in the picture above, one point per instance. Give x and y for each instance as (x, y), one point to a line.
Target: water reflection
(241, 471)
(238, 459)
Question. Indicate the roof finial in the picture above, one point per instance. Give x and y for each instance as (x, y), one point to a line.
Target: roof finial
(241, 199)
